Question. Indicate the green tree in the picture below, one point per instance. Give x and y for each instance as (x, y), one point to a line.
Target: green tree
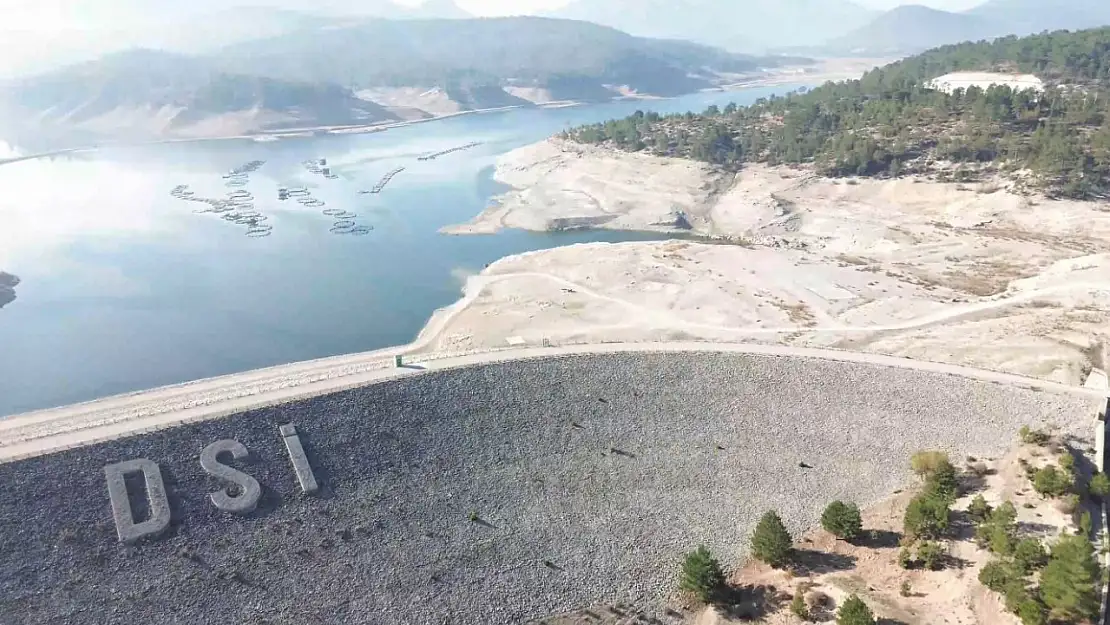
(1070, 580)
(842, 520)
(931, 554)
(1099, 485)
(926, 517)
(701, 573)
(1031, 612)
(771, 542)
(1029, 555)
(943, 483)
(997, 531)
(1052, 482)
(854, 612)
(996, 574)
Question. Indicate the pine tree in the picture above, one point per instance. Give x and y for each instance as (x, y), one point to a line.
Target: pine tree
(842, 520)
(854, 612)
(701, 573)
(943, 482)
(926, 516)
(771, 542)
(1069, 583)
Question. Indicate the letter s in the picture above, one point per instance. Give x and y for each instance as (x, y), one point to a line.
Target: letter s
(247, 500)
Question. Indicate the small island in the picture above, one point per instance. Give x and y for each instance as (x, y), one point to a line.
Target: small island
(8, 282)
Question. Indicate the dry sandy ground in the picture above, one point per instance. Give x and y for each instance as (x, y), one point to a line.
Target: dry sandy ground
(968, 274)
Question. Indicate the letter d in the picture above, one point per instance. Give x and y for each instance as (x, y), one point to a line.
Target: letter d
(126, 528)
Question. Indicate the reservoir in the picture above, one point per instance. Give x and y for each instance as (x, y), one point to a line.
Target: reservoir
(127, 287)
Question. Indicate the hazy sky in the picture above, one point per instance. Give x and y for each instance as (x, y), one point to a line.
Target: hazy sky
(56, 15)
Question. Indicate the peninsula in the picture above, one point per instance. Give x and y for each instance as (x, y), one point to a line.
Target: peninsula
(966, 226)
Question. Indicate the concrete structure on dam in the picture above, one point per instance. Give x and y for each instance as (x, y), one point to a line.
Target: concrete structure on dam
(496, 492)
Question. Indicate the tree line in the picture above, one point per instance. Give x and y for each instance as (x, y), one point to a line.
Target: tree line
(891, 122)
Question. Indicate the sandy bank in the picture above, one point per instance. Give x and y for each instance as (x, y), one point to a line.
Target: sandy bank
(559, 184)
(967, 274)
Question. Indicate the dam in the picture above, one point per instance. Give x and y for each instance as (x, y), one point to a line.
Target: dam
(486, 489)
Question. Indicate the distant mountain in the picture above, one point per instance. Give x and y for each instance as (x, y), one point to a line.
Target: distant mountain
(344, 72)
(912, 28)
(143, 94)
(1022, 17)
(751, 25)
(8, 282)
(513, 51)
(195, 27)
(209, 31)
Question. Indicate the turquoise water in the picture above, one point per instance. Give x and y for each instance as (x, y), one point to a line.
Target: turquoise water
(125, 288)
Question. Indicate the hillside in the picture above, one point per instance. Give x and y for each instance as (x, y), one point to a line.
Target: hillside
(517, 51)
(889, 123)
(143, 93)
(740, 26)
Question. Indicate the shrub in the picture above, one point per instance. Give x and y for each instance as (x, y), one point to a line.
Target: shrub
(1051, 482)
(930, 554)
(926, 517)
(1085, 524)
(798, 604)
(1004, 515)
(996, 532)
(1067, 462)
(1099, 485)
(1029, 555)
(905, 560)
(854, 612)
(1030, 436)
(979, 509)
(701, 573)
(1070, 581)
(925, 463)
(1015, 593)
(1032, 612)
(905, 590)
(943, 482)
(842, 520)
(1000, 540)
(771, 543)
(996, 574)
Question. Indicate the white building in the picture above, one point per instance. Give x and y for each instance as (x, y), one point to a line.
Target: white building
(962, 80)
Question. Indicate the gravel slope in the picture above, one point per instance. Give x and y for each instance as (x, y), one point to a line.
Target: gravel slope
(706, 443)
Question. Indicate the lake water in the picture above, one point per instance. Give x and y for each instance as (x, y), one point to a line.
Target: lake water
(126, 288)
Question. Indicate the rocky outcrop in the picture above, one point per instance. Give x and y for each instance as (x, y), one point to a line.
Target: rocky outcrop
(8, 283)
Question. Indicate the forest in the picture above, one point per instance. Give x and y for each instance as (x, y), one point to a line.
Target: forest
(890, 123)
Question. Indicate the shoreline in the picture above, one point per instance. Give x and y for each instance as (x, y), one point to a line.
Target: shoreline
(966, 273)
(773, 79)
